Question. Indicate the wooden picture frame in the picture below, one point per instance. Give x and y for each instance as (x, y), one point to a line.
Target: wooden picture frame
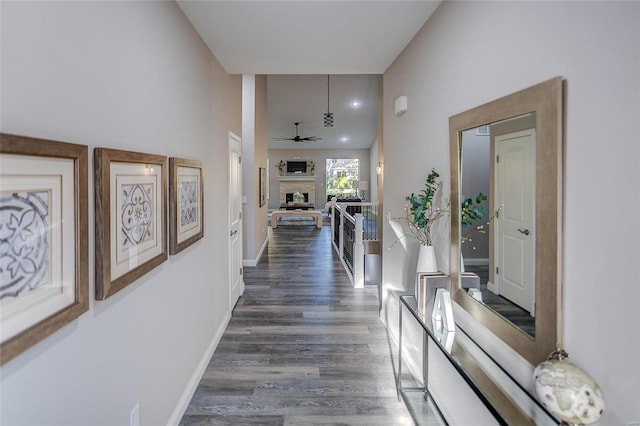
(186, 203)
(263, 186)
(545, 100)
(131, 217)
(44, 279)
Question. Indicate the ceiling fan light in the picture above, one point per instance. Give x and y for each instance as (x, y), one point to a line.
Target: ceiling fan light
(328, 119)
(298, 138)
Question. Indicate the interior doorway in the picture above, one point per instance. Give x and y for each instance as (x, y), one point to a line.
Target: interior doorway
(515, 225)
(236, 281)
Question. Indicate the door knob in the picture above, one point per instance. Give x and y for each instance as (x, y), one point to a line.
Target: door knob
(523, 231)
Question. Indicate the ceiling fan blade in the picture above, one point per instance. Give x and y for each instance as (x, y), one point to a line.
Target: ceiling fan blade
(297, 138)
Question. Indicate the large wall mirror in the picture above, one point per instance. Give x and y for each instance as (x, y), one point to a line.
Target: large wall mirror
(506, 239)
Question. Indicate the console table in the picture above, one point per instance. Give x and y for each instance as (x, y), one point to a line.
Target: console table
(493, 386)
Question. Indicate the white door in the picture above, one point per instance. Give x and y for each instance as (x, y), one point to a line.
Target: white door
(236, 283)
(515, 230)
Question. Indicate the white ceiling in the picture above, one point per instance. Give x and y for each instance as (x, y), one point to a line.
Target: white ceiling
(303, 98)
(297, 43)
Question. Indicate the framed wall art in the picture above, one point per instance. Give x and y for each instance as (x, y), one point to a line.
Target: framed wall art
(44, 278)
(263, 186)
(131, 217)
(186, 203)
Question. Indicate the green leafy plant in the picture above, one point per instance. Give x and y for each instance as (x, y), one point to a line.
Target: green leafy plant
(281, 166)
(421, 213)
(472, 211)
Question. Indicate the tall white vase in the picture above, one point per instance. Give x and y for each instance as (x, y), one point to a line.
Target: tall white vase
(426, 259)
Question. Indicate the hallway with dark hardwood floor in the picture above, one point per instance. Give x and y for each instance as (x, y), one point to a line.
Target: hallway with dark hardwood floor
(302, 347)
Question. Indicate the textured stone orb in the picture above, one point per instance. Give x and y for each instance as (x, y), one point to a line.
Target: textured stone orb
(568, 392)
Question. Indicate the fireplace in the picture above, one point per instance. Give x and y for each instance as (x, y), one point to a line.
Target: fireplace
(289, 197)
(291, 184)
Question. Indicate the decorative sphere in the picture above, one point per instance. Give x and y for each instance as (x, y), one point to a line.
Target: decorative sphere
(568, 392)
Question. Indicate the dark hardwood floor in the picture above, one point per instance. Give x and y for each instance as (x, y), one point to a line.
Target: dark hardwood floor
(303, 346)
(502, 306)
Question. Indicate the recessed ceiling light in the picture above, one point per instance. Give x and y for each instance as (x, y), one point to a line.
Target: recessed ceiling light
(355, 103)
(344, 139)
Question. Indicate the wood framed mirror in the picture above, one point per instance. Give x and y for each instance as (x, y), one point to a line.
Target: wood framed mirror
(510, 151)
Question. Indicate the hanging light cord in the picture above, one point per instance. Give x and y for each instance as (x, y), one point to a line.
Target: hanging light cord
(327, 93)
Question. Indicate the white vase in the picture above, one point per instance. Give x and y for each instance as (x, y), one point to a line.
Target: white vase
(426, 259)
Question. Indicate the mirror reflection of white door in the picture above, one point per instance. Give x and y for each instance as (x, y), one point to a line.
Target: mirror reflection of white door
(236, 282)
(515, 227)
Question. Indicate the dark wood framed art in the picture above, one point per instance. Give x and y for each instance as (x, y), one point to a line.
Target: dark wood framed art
(131, 217)
(263, 186)
(44, 278)
(186, 203)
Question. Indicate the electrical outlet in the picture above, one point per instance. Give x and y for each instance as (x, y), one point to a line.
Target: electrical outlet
(134, 417)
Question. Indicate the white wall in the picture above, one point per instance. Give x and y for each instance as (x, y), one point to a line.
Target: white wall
(132, 76)
(469, 53)
(261, 155)
(254, 156)
(374, 158)
(475, 173)
(249, 174)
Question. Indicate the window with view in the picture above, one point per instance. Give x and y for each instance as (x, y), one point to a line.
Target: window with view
(342, 177)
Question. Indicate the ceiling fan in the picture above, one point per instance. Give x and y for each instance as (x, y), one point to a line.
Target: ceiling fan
(297, 138)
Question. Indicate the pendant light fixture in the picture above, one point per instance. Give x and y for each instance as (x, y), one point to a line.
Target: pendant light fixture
(328, 116)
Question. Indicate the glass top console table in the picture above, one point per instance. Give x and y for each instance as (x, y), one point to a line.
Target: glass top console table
(504, 398)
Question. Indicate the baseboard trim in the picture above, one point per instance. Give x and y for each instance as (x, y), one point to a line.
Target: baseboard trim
(190, 389)
(254, 262)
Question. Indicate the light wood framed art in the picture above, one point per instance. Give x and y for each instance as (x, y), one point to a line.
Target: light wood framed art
(44, 274)
(131, 217)
(545, 100)
(186, 203)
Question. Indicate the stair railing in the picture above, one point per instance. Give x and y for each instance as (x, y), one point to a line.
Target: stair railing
(351, 225)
